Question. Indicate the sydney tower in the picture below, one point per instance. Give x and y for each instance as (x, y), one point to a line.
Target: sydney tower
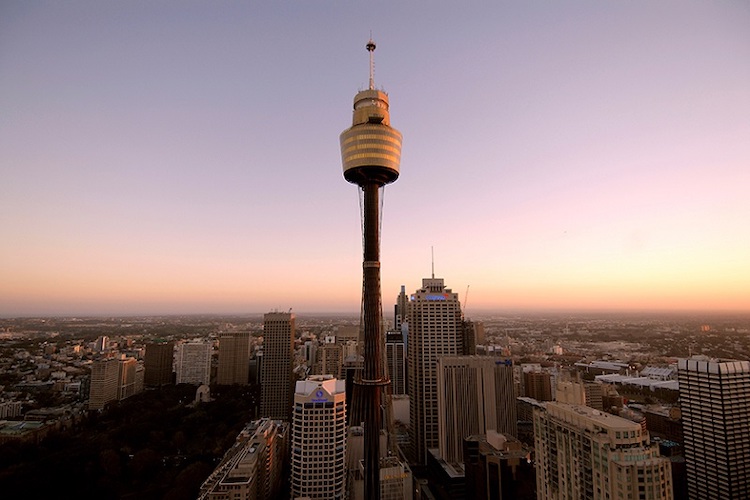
(371, 154)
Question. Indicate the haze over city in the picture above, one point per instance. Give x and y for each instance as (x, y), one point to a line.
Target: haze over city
(172, 157)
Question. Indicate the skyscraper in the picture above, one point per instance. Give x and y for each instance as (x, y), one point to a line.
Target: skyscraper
(158, 363)
(193, 363)
(234, 358)
(276, 372)
(395, 355)
(585, 453)
(475, 395)
(329, 358)
(319, 439)
(715, 404)
(435, 330)
(130, 377)
(371, 156)
(104, 383)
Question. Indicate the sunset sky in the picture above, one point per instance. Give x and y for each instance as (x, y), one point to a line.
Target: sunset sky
(183, 156)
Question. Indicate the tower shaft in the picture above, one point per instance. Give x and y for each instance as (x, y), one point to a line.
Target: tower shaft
(373, 379)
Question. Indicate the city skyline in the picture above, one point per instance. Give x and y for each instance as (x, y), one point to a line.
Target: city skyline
(161, 159)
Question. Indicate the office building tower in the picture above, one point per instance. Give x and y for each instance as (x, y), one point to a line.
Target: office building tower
(371, 155)
(319, 439)
(104, 383)
(252, 469)
(130, 377)
(585, 453)
(234, 358)
(715, 405)
(329, 358)
(395, 355)
(158, 363)
(276, 373)
(475, 396)
(193, 363)
(435, 330)
(499, 467)
(401, 313)
(537, 385)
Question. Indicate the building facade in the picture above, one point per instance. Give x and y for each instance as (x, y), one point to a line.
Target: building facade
(329, 358)
(193, 363)
(318, 467)
(104, 383)
(435, 330)
(715, 406)
(276, 372)
(499, 467)
(158, 361)
(475, 395)
(584, 453)
(395, 357)
(234, 358)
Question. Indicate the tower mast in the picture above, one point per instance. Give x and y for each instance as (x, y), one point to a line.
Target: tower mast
(371, 156)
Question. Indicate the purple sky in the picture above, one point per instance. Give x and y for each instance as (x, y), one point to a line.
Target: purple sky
(171, 157)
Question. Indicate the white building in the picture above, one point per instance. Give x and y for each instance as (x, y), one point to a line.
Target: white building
(319, 439)
(584, 453)
(193, 363)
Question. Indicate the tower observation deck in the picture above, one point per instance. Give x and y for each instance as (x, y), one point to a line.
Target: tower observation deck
(371, 155)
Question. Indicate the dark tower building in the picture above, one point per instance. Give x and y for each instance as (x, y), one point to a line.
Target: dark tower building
(371, 155)
(158, 363)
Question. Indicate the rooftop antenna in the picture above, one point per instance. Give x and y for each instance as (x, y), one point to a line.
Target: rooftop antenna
(371, 49)
(432, 251)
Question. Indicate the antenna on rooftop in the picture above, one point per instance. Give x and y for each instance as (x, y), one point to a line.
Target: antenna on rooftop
(432, 251)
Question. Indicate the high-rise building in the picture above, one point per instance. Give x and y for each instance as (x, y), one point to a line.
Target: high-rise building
(715, 405)
(537, 385)
(158, 363)
(475, 395)
(252, 468)
(329, 358)
(193, 363)
(234, 358)
(130, 378)
(401, 313)
(395, 356)
(276, 372)
(104, 383)
(435, 330)
(114, 380)
(319, 439)
(584, 453)
(371, 157)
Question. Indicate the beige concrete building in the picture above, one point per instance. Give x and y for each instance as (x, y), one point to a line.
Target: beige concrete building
(475, 396)
(276, 370)
(329, 358)
(584, 453)
(319, 439)
(104, 383)
(435, 329)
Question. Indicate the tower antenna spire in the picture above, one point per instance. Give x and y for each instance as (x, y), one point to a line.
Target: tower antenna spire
(432, 252)
(371, 49)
